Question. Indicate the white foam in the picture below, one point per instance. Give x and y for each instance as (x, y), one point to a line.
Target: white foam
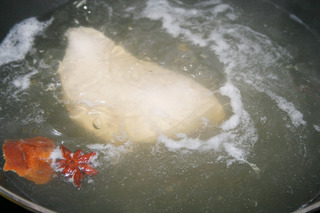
(235, 100)
(238, 131)
(23, 82)
(242, 51)
(56, 132)
(239, 155)
(295, 115)
(316, 127)
(222, 8)
(263, 119)
(37, 116)
(111, 152)
(252, 49)
(235, 152)
(54, 156)
(183, 142)
(170, 16)
(222, 143)
(20, 39)
(209, 3)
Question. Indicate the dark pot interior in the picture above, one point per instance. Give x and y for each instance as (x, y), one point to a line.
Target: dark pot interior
(303, 16)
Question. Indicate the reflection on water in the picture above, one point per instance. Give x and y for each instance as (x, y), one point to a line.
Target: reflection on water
(262, 159)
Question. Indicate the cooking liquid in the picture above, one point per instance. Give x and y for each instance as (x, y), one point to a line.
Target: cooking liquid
(263, 158)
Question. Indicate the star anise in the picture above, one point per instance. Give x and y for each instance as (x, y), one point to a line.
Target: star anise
(76, 165)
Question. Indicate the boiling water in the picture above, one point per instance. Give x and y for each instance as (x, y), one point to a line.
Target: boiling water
(258, 59)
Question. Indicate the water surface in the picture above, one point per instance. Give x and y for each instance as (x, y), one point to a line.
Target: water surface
(262, 63)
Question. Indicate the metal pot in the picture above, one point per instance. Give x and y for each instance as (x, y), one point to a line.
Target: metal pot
(13, 11)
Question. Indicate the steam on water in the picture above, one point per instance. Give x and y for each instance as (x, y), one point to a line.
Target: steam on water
(208, 41)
